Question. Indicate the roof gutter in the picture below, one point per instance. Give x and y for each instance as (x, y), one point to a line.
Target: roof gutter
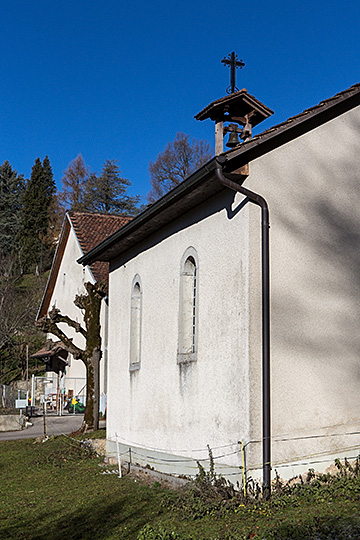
(235, 158)
(265, 226)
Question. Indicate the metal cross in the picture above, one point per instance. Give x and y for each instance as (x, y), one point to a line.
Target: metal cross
(232, 61)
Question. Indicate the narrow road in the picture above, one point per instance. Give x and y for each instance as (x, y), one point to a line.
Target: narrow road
(55, 425)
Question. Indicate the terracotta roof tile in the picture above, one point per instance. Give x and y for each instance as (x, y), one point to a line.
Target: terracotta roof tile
(91, 229)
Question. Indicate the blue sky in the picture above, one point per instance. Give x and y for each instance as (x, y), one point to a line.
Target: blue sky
(118, 80)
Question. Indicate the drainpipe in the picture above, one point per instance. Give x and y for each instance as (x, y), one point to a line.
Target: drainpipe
(265, 226)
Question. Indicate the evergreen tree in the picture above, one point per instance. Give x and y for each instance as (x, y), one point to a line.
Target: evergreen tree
(37, 201)
(107, 193)
(55, 211)
(73, 185)
(12, 188)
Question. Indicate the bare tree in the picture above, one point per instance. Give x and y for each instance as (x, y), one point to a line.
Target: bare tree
(73, 185)
(90, 303)
(176, 162)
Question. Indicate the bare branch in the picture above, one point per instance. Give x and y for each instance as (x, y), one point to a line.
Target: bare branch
(175, 163)
(96, 290)
(47, 325)
(56, 317)
(91, 355)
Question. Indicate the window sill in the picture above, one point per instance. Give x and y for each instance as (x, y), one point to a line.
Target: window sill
(134, 367)
(186, 358)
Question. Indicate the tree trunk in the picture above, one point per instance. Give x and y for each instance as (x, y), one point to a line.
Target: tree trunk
(91, 355)
(91, 417)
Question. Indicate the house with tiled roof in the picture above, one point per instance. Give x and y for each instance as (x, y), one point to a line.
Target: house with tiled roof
(80, 233)
(232, 335)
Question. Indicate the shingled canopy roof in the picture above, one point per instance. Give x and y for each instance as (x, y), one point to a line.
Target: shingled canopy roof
(90, 230)
(298, 124)
(234, 106)
(50, 349)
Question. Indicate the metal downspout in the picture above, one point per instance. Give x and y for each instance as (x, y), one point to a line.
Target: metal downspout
(265, 226)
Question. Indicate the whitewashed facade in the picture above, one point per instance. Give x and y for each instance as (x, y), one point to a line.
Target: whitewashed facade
(66, 280)
(70, 282)
(185, 308)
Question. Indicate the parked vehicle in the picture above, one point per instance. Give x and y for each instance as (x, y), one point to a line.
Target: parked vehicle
(75, 404)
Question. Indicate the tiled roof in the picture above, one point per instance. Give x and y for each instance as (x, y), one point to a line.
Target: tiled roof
(236, 104)
(49, 349)
(203, 183)
(298, 118)
(91, 229)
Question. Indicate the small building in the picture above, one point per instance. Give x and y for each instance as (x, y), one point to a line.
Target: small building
(80, 232)
(186, 301)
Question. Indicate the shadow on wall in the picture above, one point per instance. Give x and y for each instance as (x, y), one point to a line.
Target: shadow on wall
(316, 307)
(214, 205)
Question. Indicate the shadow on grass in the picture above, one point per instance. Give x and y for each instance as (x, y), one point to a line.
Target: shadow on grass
(124, 518)
(100, 520)
(331, 529)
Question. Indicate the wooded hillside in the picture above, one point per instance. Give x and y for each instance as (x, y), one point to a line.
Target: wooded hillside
(31, 215)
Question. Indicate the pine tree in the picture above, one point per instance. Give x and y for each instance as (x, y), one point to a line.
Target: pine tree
(53, 217)
(12, 188)
(37, 201)
(107, 193)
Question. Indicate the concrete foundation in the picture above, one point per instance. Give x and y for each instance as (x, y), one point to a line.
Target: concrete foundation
(10, 422)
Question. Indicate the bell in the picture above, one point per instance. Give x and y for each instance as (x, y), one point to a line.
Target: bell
(233, 140)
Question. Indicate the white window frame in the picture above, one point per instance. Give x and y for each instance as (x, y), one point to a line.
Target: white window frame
(188, 307)
(135, 323)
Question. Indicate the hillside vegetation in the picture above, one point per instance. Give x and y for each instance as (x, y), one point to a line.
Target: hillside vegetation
(20, 297)
(31, 215)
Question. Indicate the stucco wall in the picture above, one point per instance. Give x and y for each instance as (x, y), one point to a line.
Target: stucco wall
(165, 405)
(312, 185)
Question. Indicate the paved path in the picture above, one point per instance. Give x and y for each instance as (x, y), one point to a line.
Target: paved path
(55, 425)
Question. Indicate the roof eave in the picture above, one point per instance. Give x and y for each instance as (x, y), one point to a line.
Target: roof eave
(184, 196)
(103, 250)
(275, 137)
(55, 266)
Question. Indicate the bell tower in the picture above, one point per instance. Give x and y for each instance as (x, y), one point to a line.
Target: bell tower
(239, 110)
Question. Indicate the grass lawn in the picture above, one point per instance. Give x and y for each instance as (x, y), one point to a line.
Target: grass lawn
(55, 490)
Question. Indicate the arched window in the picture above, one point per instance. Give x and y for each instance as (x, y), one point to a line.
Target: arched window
(188, 307)
(135, 323)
